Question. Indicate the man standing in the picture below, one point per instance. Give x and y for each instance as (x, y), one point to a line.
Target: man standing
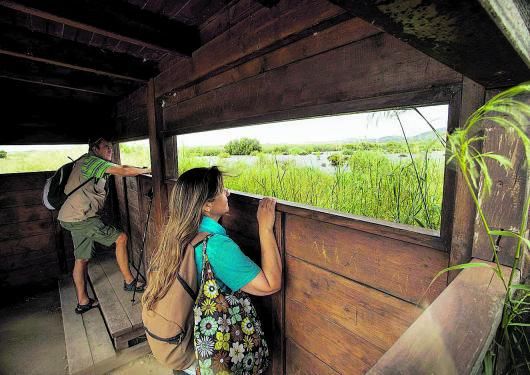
(80, 216)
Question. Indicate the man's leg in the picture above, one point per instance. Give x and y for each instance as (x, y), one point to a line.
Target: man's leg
(122, 258)
(79, 275)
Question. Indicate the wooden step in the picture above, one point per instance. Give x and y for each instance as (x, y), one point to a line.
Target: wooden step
(89, 347)
(122, 316)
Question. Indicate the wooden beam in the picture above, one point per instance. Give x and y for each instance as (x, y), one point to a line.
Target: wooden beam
(22, 43)
(513, 19)
(59, 76)
(117, 20)
(156, 147)
(268, 3)
(459, 34)
(256, 99)
(454, 332)
(459, 211)
(503, 206)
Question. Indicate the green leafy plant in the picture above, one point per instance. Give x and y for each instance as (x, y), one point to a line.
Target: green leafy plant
(243, 146)
(504, 110)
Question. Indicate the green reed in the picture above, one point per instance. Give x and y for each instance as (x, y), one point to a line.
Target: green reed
(368, 183)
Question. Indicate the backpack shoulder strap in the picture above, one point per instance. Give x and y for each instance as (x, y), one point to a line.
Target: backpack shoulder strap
(200, 237)
(80, 186)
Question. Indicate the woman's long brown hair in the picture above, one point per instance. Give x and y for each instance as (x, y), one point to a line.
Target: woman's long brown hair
(192, 190)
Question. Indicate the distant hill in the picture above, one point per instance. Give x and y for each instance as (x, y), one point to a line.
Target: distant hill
(425, 136)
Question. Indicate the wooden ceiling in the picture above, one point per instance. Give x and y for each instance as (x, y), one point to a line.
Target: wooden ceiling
(95, 52)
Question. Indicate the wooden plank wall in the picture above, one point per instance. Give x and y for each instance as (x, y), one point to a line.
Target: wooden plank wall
(28, 250)
(134, 204)
(350, 285)
(349, 290)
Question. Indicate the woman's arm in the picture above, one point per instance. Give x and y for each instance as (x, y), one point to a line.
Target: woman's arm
(269, 280)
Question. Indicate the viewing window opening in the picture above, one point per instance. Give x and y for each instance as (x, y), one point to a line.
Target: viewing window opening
(37, 158)
(386, 164)
(135, 153)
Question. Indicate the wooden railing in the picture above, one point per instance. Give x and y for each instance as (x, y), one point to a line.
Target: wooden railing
(453, 334)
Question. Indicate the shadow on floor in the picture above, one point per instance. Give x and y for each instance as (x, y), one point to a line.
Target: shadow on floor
(31, 331)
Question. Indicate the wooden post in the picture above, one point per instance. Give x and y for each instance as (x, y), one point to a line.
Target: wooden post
(463, 215)
(157, 165)
(502, 207)
(278, 303)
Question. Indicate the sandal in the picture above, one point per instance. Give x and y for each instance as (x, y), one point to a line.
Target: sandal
(80, 309)
(133, 286)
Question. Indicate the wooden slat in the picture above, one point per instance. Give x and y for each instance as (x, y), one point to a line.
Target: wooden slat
(332, 37)
(301, 362)
(13, 263)
(256, 97)
(22, 181)
(116, 318)
(398, 268)
(56, 50)
(98, 337)
(32, 274)
(242, 219)
(376, 317)
(331, 343)
(155, 126)
(131, 183)
(461, 217)
(21, 198)
(508, 192)
(444, 339)
(38, 72)
(133, 311)
(77, 346)
(425, 237)
(31, 228)
(119, 21)
(24, 214)
(278, 304)
(26, 244)
(265, 25)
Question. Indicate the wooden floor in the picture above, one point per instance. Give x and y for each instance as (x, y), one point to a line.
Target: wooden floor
(100, 339)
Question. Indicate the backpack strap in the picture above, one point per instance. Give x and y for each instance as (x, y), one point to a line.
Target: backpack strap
(201, 237)
(79, 187)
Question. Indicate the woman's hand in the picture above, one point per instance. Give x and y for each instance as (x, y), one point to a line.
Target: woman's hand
(266, 213)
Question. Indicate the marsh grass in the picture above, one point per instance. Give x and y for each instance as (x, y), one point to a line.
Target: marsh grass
(368, 183)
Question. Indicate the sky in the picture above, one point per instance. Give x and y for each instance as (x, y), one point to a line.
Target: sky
(314, 130)
(326, 129)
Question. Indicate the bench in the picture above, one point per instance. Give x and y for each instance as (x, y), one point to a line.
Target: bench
(122, 317)
(89, 347)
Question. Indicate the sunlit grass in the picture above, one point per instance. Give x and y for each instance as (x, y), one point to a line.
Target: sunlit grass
(369, 184)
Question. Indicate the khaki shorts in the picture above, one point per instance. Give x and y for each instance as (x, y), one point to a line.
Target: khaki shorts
(85, 233)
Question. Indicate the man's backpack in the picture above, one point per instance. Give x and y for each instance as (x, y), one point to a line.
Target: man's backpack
(53, 195)
(169, 324)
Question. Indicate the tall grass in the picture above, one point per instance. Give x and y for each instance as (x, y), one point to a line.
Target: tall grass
(367, 183)
(43, 160)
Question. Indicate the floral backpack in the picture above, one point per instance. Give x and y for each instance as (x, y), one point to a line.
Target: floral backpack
(227, 334)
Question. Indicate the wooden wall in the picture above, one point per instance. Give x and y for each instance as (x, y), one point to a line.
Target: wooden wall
(350, 284)
(28, 250)
(133, 205)
(350, 289)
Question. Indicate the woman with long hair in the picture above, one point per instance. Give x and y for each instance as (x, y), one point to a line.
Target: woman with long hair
(197, 202)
